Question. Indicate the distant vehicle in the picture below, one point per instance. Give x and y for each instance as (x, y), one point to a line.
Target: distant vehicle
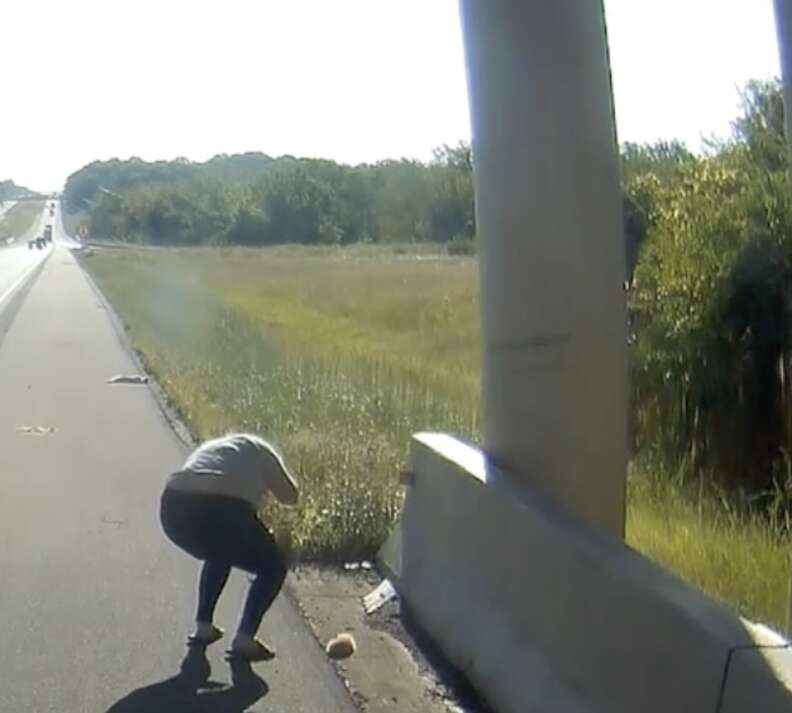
(31, 244)
(48, 234)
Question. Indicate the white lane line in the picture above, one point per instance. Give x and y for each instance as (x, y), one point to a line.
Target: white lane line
(21, 279)
(31, 231)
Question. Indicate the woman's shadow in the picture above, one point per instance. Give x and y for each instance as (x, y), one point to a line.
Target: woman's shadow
(191, 691)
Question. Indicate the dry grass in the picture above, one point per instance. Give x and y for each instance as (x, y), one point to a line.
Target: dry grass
(339, 355)
(736, 556)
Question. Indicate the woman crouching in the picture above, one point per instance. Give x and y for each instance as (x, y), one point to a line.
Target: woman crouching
(210, 509)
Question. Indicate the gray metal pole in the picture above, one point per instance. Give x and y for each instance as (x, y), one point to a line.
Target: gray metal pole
(548, 210)
(783, 17)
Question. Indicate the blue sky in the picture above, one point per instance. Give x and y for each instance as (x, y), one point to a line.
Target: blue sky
(353, 80)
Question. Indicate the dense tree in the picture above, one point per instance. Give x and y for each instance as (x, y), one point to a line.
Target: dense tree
(11, 191)
(452, 214)
(712, 304)
(644, 168)
(252, 199)
(84, 187)
(760, 127)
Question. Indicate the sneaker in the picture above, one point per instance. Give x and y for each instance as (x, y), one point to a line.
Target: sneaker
(205, 633)
(246, 647)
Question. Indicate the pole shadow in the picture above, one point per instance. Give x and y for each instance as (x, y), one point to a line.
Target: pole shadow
(191, 691)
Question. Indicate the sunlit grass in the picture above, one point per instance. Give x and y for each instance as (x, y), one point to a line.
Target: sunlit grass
(339, 355)
(343, 417)
(735, 555)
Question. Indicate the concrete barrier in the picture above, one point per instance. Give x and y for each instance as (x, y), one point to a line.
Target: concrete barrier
(545, 614)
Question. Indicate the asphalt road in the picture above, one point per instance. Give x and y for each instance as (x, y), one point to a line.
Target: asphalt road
(94, 602)
(17, 261)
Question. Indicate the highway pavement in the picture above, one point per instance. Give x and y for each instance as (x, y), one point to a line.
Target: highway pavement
(94, 602)
(17, 261)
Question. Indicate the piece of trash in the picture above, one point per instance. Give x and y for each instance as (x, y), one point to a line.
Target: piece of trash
(341, 646)
(127, 379)
(381, 595)
(355, 566)
(36, 430)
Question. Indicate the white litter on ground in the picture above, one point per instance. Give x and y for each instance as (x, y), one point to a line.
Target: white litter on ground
(354, 566)
(36, 430)
(126, 379)
(380, 596)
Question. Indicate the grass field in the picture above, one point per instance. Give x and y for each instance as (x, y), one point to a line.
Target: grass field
(338, 355)
(19, 218)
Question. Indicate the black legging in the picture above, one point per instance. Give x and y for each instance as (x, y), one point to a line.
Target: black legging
(225, 532)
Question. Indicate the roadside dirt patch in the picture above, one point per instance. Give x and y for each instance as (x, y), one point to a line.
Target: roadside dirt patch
(392, 669)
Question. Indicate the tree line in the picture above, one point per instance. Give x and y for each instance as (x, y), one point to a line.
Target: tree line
(711, 302)
(11, 191)
(253, 199)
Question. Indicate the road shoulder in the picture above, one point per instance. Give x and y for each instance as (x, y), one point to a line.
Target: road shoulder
(394, 668)
(86, 567)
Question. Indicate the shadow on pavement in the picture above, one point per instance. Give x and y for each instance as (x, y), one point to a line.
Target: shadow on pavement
(191, 691)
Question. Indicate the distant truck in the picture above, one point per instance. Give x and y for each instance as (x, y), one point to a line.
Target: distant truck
(48, 234)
